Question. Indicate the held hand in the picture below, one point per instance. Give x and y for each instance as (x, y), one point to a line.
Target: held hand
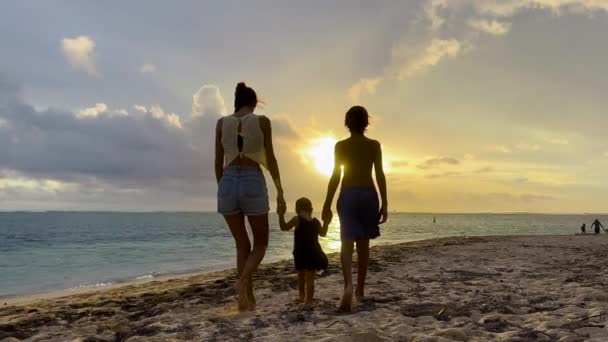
(327, 216)
(383, 214)
(281, 205)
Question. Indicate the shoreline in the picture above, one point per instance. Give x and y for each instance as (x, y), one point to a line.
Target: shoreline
(112, 284)
(220, 271)
(496, 288)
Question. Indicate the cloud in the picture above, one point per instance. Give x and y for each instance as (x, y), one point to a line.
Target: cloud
(486, 169)
(93, 111)
(79, 52)
(283, 128)
(507, 8)
(365, 86)
(432, 162)
(449, 30)
(171, 118)
(208, 100)
(490, 26)
(528, 147)
(558, 141)
(437, 50)
(140, 108)
(147, 68)
(536, 198)
(444, 174)
(500, 148)
(146, 152)
(399, 163)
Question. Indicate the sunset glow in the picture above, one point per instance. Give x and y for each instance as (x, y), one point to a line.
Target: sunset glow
(321, 154)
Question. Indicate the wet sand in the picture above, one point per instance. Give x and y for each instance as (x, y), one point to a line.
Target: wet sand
(533, 288)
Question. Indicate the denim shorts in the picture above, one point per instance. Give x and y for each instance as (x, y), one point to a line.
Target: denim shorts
(242, 189)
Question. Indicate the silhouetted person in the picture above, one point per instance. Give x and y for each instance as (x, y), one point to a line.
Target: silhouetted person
(583, 229)
(358, 207)
(243, 145)
(307, 252)
(596, 226)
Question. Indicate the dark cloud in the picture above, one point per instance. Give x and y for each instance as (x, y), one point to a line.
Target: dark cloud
(432, 162)
(283, 128)
(139, 150)
(147, 155)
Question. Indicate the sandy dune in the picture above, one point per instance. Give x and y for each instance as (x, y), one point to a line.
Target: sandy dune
(544, 288)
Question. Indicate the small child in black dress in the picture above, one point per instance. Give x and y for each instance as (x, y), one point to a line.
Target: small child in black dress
(308, 255)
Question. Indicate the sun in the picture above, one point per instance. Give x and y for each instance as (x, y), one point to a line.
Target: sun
(320, 152)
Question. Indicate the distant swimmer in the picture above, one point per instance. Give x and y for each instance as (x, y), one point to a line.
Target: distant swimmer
(434, 220)
(596, 226)
(583, 229)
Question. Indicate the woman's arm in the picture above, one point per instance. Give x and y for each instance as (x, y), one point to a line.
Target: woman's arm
(219, 152)
(381, 181)
(286, 226)
(334, 181)
(273, 165)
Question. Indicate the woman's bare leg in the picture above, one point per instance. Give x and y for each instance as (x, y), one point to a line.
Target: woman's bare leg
(362, 265)
(259, 228)
(301, 286)
(346, 256)
(236, 223)
(310, 287)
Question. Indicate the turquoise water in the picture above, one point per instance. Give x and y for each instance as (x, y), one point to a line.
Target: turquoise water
(41, 252)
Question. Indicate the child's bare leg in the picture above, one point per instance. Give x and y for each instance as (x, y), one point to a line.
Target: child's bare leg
(310, 287)
(250, 294)
(362, 265)
(301, 286)
(346, 256)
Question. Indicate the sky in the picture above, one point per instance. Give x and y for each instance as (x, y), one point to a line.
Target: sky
(480, 105)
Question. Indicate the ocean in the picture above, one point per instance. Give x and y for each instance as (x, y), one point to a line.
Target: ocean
(43, 252)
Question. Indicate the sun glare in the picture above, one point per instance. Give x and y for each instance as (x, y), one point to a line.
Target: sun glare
(321, 153)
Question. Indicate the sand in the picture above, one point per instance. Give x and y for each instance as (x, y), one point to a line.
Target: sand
(533, 288)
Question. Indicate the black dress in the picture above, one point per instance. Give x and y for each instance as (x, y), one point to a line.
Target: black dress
(307, 252)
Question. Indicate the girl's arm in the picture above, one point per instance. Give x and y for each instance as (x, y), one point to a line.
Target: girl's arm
(381, 181)
(273, 165)
(286, 226)
(323, 229)
(219, 152)
(334, 181)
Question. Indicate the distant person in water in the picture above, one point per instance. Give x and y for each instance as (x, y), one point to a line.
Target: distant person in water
(596, 226)
(359, 211)
(584, 229)
(243, 143)
(307, 252)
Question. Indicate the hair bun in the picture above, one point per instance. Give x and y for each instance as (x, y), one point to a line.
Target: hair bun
(241, 86)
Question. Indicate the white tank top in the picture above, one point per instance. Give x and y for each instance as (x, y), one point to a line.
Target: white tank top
(253, 138)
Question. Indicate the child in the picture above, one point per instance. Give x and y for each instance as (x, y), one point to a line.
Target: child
(308, 255)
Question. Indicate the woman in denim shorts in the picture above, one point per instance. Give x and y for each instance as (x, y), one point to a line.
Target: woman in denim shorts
(243, 144)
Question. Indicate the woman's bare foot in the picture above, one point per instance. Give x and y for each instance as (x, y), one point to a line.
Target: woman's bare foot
(241, 292)
(347, 300)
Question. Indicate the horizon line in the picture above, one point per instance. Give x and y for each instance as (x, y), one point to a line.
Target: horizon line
(214, 212)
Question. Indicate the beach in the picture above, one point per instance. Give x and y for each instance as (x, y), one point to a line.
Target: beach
(516, 288)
